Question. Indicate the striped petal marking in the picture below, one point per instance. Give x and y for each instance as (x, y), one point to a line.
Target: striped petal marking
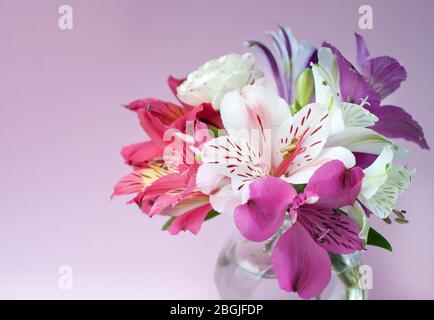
(356, 116)
(138, 180)
(236, 158)
(301, 138)
(332, 229)
(383, 202)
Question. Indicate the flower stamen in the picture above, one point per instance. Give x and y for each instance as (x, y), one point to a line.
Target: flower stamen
(289, 149)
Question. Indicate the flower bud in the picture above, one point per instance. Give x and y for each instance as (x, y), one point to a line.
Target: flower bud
(304, 87)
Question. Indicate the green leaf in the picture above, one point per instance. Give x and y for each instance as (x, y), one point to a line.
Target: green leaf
(376, 239)
(299, 187)
(209, 216)
(168, 223)
(214, 131)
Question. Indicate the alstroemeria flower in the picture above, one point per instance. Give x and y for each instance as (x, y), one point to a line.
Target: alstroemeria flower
(288, 60)
(164, 180)
(215, 78)
(327, 91)
(300, 258)
(157, 117)
(161, 191)
(351, 123)
(264, 139)
(378, 77)
(383, 183)
(164, 176)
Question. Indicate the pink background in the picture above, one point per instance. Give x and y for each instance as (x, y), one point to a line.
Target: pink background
(62, 128)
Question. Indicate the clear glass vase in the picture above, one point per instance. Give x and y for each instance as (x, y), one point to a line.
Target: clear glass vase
(244, 271)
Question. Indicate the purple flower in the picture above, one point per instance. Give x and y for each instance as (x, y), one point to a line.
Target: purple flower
(300, 258)
(384, 73)
(288, 60)
(376, 79)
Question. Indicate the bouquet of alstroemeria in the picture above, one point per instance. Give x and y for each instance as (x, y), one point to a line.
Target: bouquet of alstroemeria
(304, 159)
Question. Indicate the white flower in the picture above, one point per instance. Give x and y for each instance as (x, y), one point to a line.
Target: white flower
(327, 91)
(265, 139)
(217, 77)
(357, 213)
(349, 122)
(383, 183)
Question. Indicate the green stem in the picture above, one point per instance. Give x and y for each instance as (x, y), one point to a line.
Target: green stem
(348, 272)
(350, 278)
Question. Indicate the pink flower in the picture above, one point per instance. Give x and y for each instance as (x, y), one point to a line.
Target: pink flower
(162, 191)
(300, 258)
(157, 117)
(164, 176)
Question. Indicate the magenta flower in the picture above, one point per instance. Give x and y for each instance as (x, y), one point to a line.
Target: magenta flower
(300, 258)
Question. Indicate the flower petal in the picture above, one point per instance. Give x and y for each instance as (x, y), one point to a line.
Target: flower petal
(335, 185)
(382, 202)
(202, 85)
(362, 51)
(225, 200)
(253, 108)
(400, 177)
(327, 154)
(377, 173)
(192, 201)
(139, 180)
(364, 160)
(358, 215)
(300, 264)
(358, 139)
(191, 220)
(236, 158)
(386, 195)
(264, 212)
(152, 126)
(164, 201)
(385, 74)
(395, 122)
(274, 66)
(331, 229)
(166, 182)
(204, 113)
(355, 115)
(208, 179)
(326, 76)
(309, 128)
(139, 154)
(354, 88)
(131, 183)
(306, 53)
(174, 83)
